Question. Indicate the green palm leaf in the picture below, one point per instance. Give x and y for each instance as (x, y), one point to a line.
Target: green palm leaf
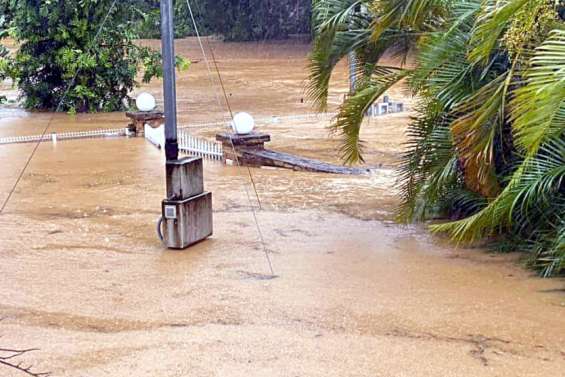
(414, 15)
(494, 19)
(338, 31)
(352, 112)
(538, 108)
(540, 176)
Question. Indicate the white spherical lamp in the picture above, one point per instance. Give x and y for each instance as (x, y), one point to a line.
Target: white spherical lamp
(243, 123)
(145, 102)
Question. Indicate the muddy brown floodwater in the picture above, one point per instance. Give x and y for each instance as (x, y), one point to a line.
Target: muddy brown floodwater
(85, 280)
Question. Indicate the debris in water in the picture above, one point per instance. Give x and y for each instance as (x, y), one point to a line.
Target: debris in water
(257, 276)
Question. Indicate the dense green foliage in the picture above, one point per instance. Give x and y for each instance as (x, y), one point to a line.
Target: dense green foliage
(3, 51)
(149, 23)
(66, 61)
(486, 147)
(62, 64)
(235, 20)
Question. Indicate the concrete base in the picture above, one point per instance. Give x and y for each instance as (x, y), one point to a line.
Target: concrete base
(187, 211)
(188, 221)
(185, 178)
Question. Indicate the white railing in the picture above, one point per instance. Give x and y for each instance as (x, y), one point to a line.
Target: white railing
(200, 147)
(54, 137)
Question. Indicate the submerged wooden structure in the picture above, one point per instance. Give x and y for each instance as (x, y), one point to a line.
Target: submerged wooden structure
(139, 119)
(249, 150)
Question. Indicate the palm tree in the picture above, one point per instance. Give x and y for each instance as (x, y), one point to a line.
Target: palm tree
(486, 148)
(345, 26)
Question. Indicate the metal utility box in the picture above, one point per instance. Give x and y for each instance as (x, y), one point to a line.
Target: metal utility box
(188, 221)
(187, 211)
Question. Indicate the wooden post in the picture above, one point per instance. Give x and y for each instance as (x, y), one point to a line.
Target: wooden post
(140, 118)
(235, 147)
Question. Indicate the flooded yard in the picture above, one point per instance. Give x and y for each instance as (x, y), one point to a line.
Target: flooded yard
(85, 279)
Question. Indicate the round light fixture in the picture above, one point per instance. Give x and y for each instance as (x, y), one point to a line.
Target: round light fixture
(145, 102)
(243, 123)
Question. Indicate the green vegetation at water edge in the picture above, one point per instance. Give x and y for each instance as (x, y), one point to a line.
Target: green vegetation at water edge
(77, 55)
(486, 152)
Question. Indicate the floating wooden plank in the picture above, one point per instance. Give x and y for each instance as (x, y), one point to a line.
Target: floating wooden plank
(249, 150)
(267, 157)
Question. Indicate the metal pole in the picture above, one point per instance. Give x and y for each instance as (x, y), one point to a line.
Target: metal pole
(169, 87)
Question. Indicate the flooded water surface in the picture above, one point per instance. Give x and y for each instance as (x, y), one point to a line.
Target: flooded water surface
(85, 279)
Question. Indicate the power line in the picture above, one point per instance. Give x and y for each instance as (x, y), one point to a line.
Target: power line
(253, 211)
(71, 83)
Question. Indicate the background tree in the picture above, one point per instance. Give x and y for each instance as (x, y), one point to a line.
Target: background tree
(235, 20)
(4, 55)
(487, 145)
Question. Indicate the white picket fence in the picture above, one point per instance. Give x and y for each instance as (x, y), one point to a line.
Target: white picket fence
(54, 137)
(196, 146)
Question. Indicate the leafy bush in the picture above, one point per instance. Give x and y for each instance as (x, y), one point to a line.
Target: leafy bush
(4, 56)
(66, 62)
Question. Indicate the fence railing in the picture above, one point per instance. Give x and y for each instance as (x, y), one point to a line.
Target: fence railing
(54, 137)
(200, 147)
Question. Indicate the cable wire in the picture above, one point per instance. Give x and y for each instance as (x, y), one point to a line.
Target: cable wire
(58, 108)
(253, 211)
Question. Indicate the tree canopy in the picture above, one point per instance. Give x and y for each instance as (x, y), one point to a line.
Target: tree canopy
(235, 20)
(78, 55)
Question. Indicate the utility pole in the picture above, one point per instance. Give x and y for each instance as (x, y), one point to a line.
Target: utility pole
(169, 78)
(187, 210)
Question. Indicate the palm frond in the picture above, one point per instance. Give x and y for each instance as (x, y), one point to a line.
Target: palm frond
(443, 71)
(475, 131)
(538, 108)
(493, 20)
(539, 179)
(352, 112)
(415, 15)
(428, 157)
(338, 31)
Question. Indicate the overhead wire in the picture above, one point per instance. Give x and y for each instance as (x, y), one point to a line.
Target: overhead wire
(228, 105)
(57, 109)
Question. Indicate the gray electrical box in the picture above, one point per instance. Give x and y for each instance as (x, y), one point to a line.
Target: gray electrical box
(187, 211)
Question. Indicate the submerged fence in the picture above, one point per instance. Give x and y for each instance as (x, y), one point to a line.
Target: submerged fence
(199, 147)
(187, 143)
(54, 137)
